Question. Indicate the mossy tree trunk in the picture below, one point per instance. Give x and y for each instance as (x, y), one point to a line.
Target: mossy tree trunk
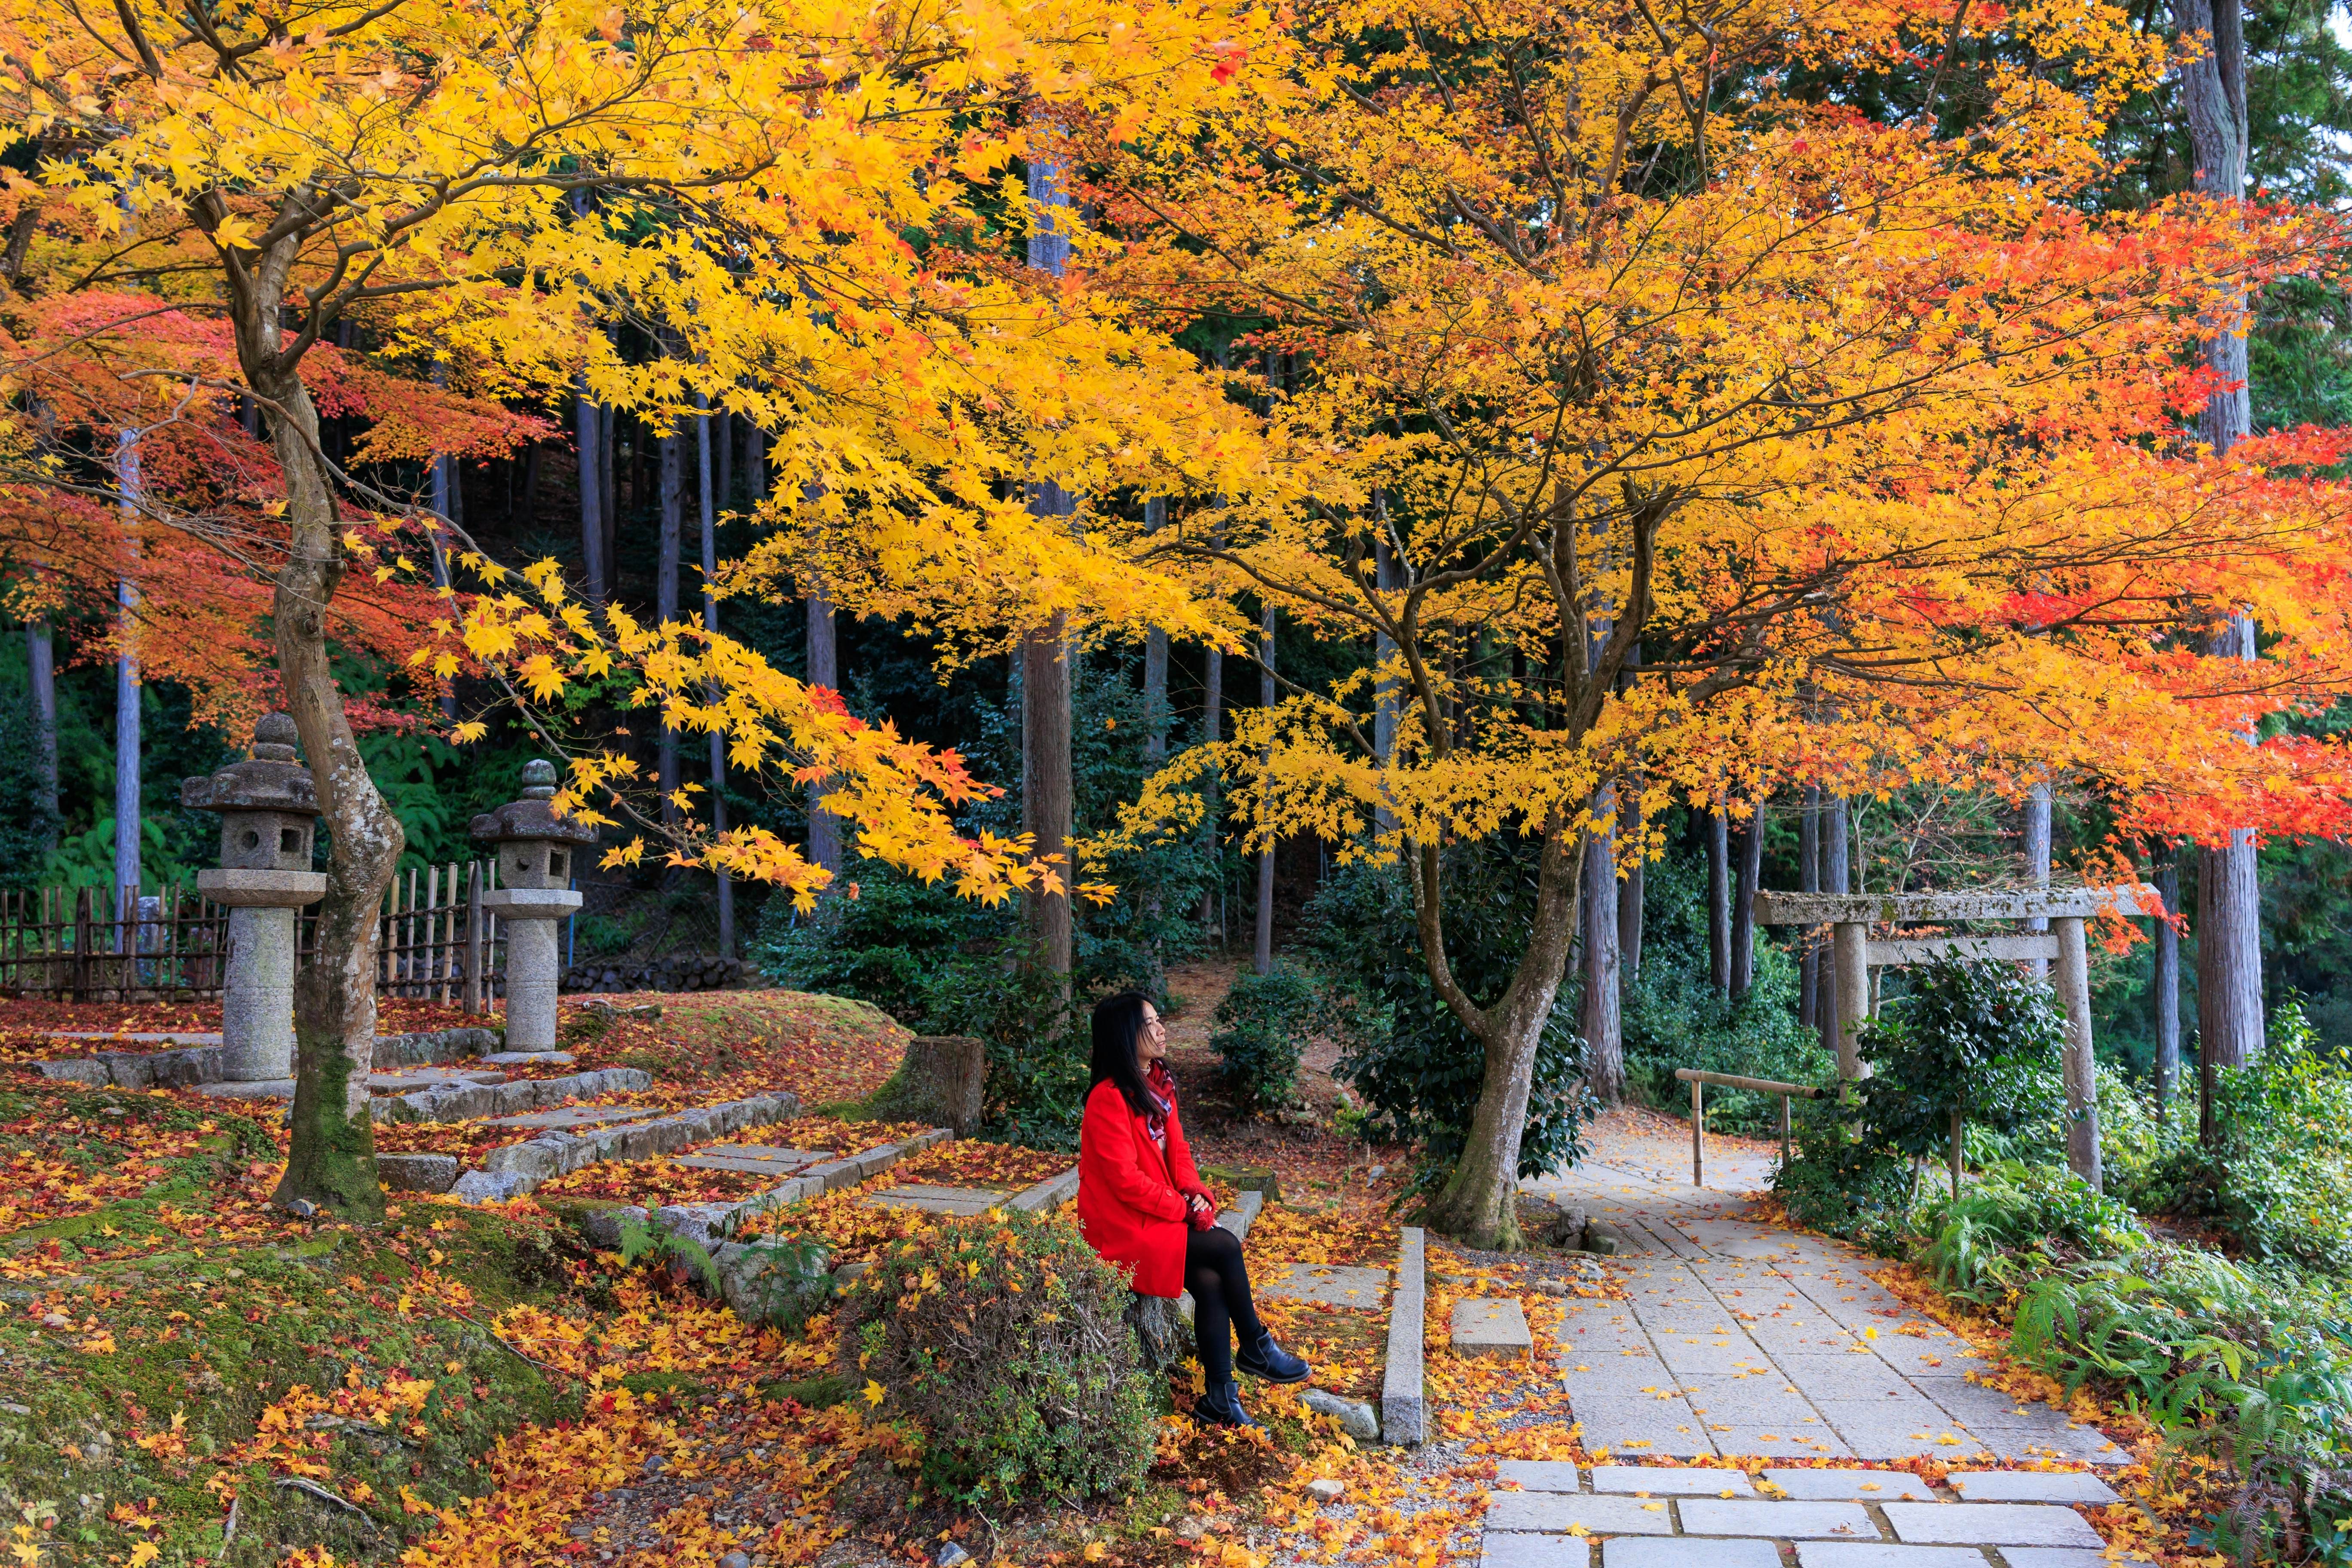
(332, 1159)
(1478, 1203)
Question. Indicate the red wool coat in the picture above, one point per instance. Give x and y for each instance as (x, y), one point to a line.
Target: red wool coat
(1131, 1197)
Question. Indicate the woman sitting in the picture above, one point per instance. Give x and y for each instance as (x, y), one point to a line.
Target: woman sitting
(1142, 1207)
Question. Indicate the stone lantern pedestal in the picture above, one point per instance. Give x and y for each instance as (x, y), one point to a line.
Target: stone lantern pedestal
(268, 808)
(534, 849)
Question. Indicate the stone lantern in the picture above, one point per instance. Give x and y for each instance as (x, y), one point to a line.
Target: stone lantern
(268, 809)
(535, 850)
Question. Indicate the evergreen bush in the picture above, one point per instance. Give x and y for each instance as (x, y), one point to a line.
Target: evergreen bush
(1002, 1341)
(1265, 1021)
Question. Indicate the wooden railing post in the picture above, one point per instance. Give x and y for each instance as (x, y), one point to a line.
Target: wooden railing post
(1699, 1132)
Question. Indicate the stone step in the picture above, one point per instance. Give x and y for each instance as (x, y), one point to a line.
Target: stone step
(961, 1201)
(565, 1116)
(1493, 1328)
(1327, 1284)
(753, 1159)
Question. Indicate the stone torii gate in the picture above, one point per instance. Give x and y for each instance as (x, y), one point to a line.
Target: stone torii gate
(1854, 953)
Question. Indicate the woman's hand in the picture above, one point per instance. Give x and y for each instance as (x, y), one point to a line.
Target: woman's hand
(1199, 1212)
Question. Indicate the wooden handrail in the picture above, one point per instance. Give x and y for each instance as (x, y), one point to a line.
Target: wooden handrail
(1697, 1079)
(1760, 1085)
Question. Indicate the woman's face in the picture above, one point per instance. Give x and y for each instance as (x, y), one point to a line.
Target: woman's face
(1152, 1042)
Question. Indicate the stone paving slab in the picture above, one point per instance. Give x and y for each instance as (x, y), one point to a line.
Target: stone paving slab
(1779, 1520)
(1779, 1443)
(1652, 1551)
(1504, 1549)
(1992, 1524)
(960, 1201)
(576, 1116)
(757, 1159)
(1539, 1475)
(1329, 1284)
(2032, 1485)
(1652, 1480)
(1558, 1512)
(1867, 1554)
(1854, 1486)
(1493, 1329)
(2063, 1557)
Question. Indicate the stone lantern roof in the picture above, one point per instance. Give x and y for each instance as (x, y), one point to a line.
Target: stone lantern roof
(270, 780)
(532, 817)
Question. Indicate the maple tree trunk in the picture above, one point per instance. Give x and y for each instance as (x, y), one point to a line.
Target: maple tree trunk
(823, 669)
(1601, 1019)
(673, 535)
(2166, 985)
(332, 1162)
(1477, 1204)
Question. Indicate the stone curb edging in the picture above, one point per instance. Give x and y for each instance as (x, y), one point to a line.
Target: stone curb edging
(513, 1168)
(463, 1103)
(1404, 1413)
(185, 1066)
(1050, 1194)
(705, 1224)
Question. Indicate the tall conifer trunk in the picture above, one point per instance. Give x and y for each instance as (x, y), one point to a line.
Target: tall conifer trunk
(2229, 895)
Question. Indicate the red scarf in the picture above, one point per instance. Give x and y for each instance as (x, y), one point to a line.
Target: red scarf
(1163, 1091)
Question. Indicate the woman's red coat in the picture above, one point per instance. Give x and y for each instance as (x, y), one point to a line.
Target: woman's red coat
(1131, 1197)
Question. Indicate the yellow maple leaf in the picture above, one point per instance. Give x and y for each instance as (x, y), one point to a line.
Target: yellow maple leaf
(874, 1391)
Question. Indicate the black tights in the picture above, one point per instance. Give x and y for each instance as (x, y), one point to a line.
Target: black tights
(1218, 1280)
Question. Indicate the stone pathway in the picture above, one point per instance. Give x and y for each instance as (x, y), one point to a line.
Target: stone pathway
(1747, 1339)
(1548, 1514)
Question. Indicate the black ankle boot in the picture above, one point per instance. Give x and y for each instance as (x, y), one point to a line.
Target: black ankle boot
(1221, 1406)
(1265, 1359)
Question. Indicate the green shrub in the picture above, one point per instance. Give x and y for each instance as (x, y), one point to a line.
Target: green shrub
(1418, 1069)
(1979, 1040)
(1265, 1020)
(1842, 1187)
(1000, 1341)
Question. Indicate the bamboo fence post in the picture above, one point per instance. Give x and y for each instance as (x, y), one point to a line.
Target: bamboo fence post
(473, 938)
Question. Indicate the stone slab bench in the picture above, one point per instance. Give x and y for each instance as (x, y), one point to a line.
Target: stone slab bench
(513, 1170)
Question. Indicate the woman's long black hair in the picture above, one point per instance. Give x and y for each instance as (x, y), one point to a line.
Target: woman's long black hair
(1118, 1026)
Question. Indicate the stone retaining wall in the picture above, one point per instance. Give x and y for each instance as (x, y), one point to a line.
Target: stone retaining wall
(705, 1223)
(185, 1066)
(465, 1102)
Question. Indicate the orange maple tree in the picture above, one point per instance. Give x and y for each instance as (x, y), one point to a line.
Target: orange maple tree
(1678, 431)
